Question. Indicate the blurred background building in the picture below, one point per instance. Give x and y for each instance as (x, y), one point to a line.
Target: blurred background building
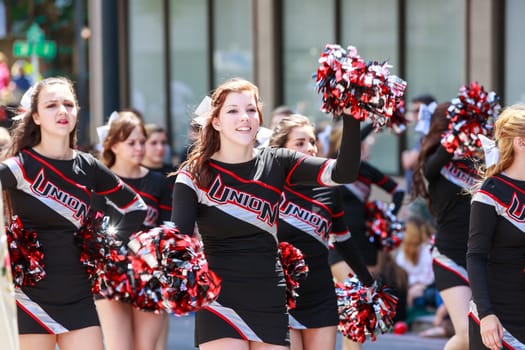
(163, 56)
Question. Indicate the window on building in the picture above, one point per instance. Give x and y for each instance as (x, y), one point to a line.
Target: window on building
(146, 59)
(189, 68)
(302, 45)
(515, 51)
(232, 40)
(375, 34)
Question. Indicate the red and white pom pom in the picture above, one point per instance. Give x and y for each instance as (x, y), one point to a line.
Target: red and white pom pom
(294, 268)
(363, 89)
(172, 271)
(105, 258)
(398, 122)
(473, 112)
(383, 228)
(25, 253)
(364, 312)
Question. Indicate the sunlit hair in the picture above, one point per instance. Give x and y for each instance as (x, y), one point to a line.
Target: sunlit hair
(285, 126)
(119, 131)
(208, 141)
(25, 133)
(430, 142)
(509, 124)
(153, 129)
(417, 232)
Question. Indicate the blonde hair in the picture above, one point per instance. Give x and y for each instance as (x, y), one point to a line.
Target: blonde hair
(417, 232)
(509, 124)
(284, 128)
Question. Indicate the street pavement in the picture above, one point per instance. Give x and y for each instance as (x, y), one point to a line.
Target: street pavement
(181, 338)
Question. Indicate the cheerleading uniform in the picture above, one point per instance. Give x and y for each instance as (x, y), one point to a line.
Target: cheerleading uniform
(237, 216)
(308, 216)
(154, 189)
(448, 181)
(496, 259)
(355, 196)
(52, 197)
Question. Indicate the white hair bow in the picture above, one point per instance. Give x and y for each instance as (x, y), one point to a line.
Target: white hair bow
(25, 102)
(102, 131)
(490, 149)
(263, 136)
(424, 116)
(203, 111)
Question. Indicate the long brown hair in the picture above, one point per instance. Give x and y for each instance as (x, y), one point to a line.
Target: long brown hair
(119, 131)
(430, 142)
(208, 141)
(417, 232)
(25, 133)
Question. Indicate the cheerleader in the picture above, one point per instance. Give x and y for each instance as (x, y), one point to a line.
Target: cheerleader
(496, 243)
(448, 180)
(49, 185)
(124, 326)
(232, 192)
(308, 217)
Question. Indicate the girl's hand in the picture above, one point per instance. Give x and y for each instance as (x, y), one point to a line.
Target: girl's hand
(491, 332)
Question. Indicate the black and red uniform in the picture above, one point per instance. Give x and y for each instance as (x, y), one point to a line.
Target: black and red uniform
(496, 259)
(155, 190)
(355, 196)
(308, 218)
(449, 181)
(52, 197)
(237, 216)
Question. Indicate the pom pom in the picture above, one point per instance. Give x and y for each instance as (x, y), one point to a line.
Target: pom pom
(473, 112)
(398, 121)
(172, 271)
(294, 268)
(350, 85)
(364, 312)
(383, 228)
(105, 258)
(25, 253)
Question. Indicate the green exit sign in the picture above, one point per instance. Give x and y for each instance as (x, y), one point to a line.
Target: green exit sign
(45, 49)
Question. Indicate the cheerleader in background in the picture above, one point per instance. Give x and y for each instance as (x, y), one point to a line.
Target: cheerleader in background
(354, 198)
(496, 243)
(124, 326)
(49, 186)
(447, 179)
(308, 216)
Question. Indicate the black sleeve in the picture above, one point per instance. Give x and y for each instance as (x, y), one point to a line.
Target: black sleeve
(483, 220)
(353, 257)
(397, 199)
(165, 201)
(317, 171)
(6, 177)
(349, 155)
(184, 204)
(436, 161)
(385, 182)
(378, 178)
(127, 202)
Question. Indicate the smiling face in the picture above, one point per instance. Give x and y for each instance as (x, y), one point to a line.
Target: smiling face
(302, 139)
(56, 111)
(238, 120)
